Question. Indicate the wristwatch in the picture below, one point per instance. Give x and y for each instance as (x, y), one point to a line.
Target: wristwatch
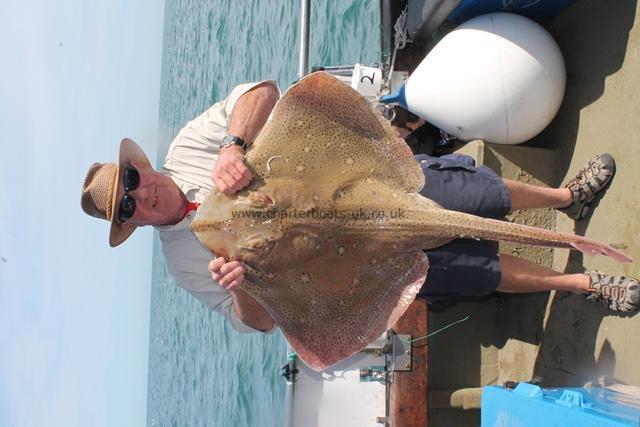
(230, 140)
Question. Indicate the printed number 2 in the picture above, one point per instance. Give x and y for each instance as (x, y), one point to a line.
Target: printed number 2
(368, 78)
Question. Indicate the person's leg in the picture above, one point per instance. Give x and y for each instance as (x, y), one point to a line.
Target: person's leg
(519, 276)
(575, 198)
(527, 196)
(618, 293)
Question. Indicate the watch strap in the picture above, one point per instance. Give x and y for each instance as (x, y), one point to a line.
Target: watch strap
(230, 140)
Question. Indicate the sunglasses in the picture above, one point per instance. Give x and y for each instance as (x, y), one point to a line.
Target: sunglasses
(127, 205)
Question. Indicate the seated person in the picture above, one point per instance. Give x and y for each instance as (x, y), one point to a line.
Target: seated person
(209, 151)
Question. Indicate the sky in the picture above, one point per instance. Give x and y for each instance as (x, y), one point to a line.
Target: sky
(76, 77)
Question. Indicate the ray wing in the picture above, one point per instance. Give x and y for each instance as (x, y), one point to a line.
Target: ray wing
(324, 132)
(333, 307)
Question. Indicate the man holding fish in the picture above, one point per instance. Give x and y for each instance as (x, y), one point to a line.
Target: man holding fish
(209, 152)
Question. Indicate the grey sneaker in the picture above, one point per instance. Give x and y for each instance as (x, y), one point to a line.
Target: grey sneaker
(619, 293)
(588, 185)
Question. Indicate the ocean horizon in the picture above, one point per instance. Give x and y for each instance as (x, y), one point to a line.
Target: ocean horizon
(201, 372)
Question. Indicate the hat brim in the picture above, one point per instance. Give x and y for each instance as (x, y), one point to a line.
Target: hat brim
(129, 152)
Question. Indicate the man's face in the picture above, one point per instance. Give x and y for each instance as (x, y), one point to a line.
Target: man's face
(158, 200)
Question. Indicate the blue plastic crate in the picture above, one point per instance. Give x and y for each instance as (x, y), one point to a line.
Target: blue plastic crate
(538, 10)
(531, 406)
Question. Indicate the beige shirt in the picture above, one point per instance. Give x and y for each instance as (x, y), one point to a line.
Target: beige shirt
(189, 162)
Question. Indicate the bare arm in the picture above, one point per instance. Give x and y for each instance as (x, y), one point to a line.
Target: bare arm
(249, 114)
(251, 111)
(250, 311)
(230, 275)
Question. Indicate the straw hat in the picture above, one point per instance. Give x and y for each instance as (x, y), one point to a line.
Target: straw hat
(100, 195)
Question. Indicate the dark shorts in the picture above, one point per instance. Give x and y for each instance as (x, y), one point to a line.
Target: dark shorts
(464, 267)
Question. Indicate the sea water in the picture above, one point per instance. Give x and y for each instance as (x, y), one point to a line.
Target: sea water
(202, 373)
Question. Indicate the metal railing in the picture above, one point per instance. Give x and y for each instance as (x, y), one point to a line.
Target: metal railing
(305, 15)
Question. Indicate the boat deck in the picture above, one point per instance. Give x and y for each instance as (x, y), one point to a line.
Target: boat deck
(558, 338)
